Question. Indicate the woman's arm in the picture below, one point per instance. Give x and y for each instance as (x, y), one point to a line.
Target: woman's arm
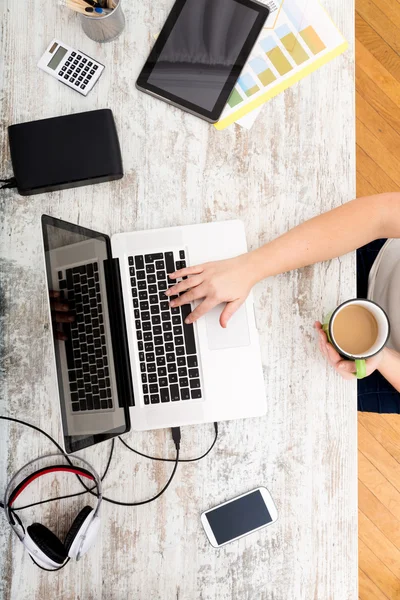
(324, 237)
(390, 367)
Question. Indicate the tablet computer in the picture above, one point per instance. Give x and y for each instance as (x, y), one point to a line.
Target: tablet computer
(201, 52)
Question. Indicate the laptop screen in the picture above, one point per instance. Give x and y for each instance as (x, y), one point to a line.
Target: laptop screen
(78, 268)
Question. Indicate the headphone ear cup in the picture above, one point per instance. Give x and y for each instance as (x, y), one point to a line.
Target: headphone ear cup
(79, 527)
(47, 542)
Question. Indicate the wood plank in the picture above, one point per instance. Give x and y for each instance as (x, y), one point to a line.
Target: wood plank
(390, 8)
(377, 512)
(378, 484)
(378, 572)
(380, 545)
(377, 98)
(378, 152)
(383, 432)
(367, 588)
(375, 44)
(379, 456)
(372, 67)
(377, 125)
(364, 187)
(393, 420)
(386, 28)
(373, 173)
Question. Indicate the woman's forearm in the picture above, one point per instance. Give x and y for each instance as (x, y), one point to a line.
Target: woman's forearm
(330, 235)
(389, 366)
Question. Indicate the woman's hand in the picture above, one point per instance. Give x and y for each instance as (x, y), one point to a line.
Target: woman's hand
(227, 281)
(345, 368)
(60, 313)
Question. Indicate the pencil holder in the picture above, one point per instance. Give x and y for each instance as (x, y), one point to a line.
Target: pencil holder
(104, 28)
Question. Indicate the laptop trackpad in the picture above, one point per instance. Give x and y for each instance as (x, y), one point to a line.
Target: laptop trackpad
(235, 335)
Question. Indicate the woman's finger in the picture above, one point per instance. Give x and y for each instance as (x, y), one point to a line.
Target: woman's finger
(333, 356)
(187, 271)
(201, 310)
(229, 311)
(184, 285)
(59, 306)
(194, 294)
(346, 368)
(63, 318)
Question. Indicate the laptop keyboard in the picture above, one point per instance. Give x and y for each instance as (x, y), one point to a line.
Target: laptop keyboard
(167, 349)
(85, 348)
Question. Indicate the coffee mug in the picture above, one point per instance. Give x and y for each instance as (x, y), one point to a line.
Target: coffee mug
(372, 331)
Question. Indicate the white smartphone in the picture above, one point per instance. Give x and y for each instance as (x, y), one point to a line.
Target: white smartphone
(238, 517)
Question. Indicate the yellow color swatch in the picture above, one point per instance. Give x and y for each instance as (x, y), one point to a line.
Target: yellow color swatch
(266, 77)
(312, 39)
(294, 48)
(280, 62)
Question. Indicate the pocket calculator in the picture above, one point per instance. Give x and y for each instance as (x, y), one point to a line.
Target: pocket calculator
(72, 67)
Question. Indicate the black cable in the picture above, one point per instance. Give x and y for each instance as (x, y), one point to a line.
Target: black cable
(72, 495)
(181, 460)
(105, 498)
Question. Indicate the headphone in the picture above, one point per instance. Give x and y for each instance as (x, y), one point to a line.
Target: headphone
(44, 547)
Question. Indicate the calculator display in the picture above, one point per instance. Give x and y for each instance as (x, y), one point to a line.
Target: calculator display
(57, 58)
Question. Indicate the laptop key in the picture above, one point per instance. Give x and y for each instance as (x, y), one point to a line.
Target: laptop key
(142, 285)
(152, 378)
(181, 361)
(147, 336)
(163, 381)
(148, 347)
(139, 262)
(194, 383)
(153, 289)
(160, 361)
(173, 378)
(183, 382)
(174, 391)
(196, 394)
(164, 394)
(192, 361)
(153, 388)
(155, 399)
(146, 399)
(168, 336)
(140, 275)
(188, 330)
(169, 262)
(179, 350)
(185, 394)
(193, 373)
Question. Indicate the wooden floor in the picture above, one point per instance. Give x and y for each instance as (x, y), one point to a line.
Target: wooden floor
(378, 170)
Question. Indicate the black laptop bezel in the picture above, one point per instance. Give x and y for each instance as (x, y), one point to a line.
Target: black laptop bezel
(125, 398)
(214, 114)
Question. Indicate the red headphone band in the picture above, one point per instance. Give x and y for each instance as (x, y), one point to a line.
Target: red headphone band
(52, 469)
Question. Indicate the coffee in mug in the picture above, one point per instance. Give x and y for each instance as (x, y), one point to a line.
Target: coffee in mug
(358, 329)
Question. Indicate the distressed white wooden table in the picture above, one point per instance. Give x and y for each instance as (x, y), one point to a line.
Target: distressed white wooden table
(297, 161)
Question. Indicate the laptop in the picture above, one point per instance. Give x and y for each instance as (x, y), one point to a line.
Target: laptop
(127, 356)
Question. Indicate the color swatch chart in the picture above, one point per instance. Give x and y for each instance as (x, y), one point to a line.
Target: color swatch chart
(298, 37)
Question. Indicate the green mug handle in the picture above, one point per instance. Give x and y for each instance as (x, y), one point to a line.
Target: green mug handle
(361, 367)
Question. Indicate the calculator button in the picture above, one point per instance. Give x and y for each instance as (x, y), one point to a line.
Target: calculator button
(84, 60)
(76, 62)
(81, 64)
(83, 87)
(86, 68)
(90, 63)
(92, 72)
(95, 67)
(86, 81)
(89, 77)
(68, 62)
(63, 68)
(77, 71)
(79, 57)
(69, 72)
(73, 76)
(76, 82)
(80, 78)
(66, 77)
(61, 73)
(73, 53)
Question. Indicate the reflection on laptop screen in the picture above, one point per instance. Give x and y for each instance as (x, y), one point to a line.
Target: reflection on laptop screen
(77, 261)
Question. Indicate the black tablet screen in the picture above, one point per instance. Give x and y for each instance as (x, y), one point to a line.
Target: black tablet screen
(200, 51)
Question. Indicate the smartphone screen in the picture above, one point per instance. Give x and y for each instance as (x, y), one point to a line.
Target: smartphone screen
(240, 516)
